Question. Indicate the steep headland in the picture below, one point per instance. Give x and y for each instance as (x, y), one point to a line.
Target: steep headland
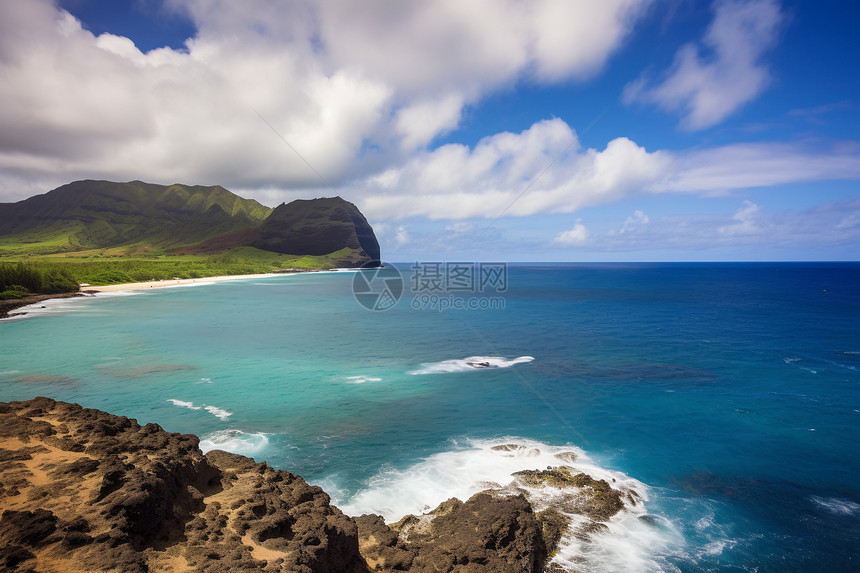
(95, 218)
(83, 490)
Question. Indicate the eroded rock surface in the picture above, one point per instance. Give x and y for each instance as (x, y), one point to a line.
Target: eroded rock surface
(82, 490)
(487, 533)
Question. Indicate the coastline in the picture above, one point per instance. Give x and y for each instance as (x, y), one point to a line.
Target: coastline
(12, 308)
(8, 307)
(176, 282)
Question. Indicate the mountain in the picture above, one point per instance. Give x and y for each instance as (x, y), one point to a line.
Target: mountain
(138, 217)
(102, 214)
(317, 227)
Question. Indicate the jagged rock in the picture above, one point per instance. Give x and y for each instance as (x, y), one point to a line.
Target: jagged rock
(553, 525)
(487, 533)
(82, 490)
(581, 493)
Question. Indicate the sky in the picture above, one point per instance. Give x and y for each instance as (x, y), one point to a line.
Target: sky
(465, 130)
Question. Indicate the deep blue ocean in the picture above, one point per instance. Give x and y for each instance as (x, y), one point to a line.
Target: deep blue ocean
(726, 395)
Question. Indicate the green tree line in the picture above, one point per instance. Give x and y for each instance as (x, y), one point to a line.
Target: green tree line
(21, 279)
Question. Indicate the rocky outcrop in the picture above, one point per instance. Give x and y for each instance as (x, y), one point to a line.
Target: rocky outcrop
(487, 533)
(82, 490)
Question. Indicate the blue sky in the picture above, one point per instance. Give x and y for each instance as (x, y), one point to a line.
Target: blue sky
(613, 130)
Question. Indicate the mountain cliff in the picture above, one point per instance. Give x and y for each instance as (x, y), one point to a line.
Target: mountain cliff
(102, 214)
(136, 217)
(318, 227)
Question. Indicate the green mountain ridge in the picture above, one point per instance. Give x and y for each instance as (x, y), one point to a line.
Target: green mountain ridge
(102, 214)
(136, 217)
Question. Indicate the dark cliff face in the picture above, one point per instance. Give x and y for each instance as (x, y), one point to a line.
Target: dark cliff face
(182, 219)
(319, 227)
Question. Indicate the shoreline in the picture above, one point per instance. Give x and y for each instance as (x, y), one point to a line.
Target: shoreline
(177, 282)
(11, 308)
(8, 307)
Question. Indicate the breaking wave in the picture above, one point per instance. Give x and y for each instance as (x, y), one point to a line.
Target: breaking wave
(631, 540)
(235, 442)
(467, 364)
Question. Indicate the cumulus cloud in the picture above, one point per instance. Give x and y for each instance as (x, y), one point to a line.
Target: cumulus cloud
(706, 89)
(541, 169)
(634, 223)
(743, 221)
(353, 87)
(402, 236)
(575, 237)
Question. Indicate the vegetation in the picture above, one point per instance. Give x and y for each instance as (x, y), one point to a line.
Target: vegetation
(102, 233)
(63, 273)
(139, 216)
(20, 279)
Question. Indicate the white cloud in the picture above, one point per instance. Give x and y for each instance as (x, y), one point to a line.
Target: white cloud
(634, 223)
(542, 169)
(402, 236)
(576, 237)
(422, 121)
(354, 87)
(746, 233)
(744, 221)
(741, 166)
(706, 90)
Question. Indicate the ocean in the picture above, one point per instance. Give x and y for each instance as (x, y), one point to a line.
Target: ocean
(727, 396)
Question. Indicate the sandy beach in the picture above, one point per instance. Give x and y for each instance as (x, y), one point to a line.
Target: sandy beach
(173, 282)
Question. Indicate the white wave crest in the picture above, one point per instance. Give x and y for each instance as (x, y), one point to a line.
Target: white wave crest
(470, 363)
(219, 413)
(235, 441)
(837, 505)
(183, 404)
(632, 541)
(361, 379)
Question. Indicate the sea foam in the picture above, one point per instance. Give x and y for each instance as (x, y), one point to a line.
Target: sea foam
(235, 441)
(361, 379)
(470, 363)
(219, 413)
(183, 404)
(634, 539)
(837, 505)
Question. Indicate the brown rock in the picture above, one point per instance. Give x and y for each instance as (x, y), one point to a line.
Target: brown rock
(82, 490)
(581, 493)
(487, 533)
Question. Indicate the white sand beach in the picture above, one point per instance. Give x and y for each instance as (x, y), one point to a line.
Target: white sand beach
(173, 283)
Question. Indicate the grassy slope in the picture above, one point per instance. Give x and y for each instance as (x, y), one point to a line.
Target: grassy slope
(135, 215)
(102, 268)
(110, 233)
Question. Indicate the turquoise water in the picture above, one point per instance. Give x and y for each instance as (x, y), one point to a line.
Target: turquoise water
(727, 394)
